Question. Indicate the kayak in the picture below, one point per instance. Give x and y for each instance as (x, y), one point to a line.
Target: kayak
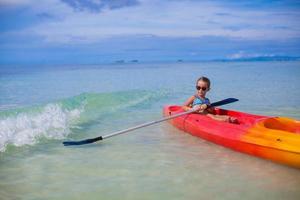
(273, 138)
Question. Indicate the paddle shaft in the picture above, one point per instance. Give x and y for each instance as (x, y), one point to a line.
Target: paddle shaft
(91, 140)
(147, 124)
(164, 119)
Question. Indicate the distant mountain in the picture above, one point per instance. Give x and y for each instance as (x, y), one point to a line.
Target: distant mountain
(262, 58)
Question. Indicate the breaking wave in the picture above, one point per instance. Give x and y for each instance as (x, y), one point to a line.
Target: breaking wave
(55, 120)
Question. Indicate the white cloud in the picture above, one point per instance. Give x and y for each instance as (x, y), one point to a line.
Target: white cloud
(162, 18)
(243, 54)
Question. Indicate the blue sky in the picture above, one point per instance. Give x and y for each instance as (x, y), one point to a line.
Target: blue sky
(95, 31)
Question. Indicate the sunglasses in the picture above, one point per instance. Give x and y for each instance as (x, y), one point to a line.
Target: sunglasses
(201, 88)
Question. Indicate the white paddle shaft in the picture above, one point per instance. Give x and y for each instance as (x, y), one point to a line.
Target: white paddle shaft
(147, 124)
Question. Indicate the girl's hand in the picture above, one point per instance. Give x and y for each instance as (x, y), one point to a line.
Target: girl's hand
(197, 108)
(201, 107)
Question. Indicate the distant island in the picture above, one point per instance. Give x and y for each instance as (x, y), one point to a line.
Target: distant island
(241, 59)
(123, 61)
(262, 58)
(119, 61)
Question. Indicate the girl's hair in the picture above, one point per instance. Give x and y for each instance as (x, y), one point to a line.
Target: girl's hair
(205, 79)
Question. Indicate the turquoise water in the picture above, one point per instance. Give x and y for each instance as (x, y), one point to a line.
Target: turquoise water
(41, 106)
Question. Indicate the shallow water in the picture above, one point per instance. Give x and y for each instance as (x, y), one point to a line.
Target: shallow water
(41, 106)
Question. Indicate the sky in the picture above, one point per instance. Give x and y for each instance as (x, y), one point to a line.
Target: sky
(97, 31)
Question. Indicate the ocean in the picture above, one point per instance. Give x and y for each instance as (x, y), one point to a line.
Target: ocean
(43, 105)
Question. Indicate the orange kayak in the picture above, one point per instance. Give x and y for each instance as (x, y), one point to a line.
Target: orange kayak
(273, 138)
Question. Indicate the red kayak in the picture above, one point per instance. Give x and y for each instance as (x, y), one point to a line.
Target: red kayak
(273, 138)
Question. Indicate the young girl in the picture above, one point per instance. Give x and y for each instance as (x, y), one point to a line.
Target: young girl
(200, 103)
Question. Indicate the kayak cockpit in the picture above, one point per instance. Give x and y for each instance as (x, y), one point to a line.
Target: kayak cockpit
(242, 118)
(282, 124)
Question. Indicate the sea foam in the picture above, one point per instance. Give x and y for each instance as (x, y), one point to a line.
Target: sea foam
(28, 125)
(52, 122)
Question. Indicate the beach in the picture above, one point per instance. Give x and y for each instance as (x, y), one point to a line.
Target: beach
(43, 105)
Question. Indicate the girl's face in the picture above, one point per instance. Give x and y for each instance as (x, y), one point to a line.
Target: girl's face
(202, 88)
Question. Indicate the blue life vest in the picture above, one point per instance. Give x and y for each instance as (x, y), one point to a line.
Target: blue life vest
(199, 101)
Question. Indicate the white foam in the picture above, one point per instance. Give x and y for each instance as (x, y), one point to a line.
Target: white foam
(52, 122)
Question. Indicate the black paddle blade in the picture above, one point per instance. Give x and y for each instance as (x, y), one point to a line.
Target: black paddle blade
(82, 142)
(223, 102)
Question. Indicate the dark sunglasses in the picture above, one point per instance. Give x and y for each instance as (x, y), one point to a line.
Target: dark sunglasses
(199, 88)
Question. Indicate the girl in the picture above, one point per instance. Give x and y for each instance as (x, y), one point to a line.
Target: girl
(201, 103)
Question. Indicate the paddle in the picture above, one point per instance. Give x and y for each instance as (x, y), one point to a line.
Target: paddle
(92, 140)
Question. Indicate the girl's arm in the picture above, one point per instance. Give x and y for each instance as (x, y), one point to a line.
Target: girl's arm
(188, 104)
(211, 110)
